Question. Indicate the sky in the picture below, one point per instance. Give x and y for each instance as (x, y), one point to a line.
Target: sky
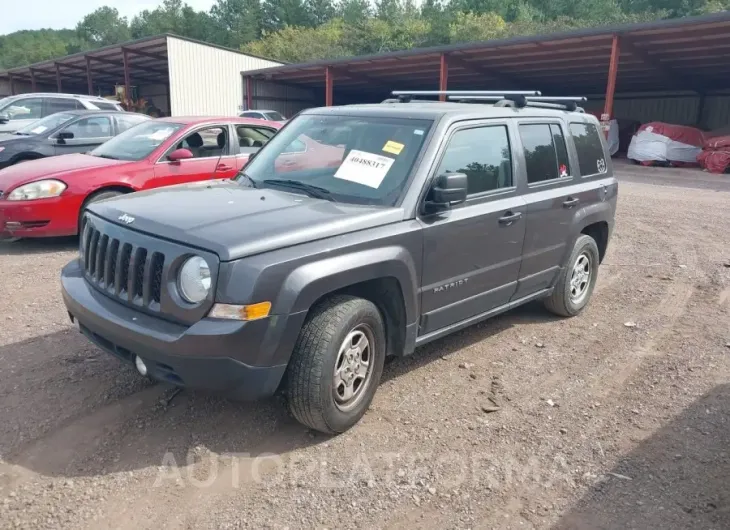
(55, 14)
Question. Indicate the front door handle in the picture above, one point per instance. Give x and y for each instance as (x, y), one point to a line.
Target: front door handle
(570, 202)
(509, 218)
(224, 167)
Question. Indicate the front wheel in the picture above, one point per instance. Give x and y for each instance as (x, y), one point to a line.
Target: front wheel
(95, 197)
(336, 365)
(575, 285)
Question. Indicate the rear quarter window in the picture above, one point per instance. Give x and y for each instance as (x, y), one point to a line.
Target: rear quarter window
(591, 157)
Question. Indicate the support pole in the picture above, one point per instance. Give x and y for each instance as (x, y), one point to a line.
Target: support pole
(700, 109)
(127, 87)
(89, 82)
(611, 86)
(12, 84)
(33, 85)
(169, 100)
(59, 86)
(328, 87)
(444, 75)
(249, 93)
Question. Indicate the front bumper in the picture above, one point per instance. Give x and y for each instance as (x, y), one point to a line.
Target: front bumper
(52, 217)
(207, 355)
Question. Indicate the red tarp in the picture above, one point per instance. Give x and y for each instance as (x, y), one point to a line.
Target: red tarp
(659, 143)
(715, 156)
(678, 133)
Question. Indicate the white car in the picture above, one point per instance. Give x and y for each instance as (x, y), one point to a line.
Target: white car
(23, 109)
(268, 115)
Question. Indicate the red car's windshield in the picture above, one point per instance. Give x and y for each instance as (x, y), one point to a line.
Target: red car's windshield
(138, 142)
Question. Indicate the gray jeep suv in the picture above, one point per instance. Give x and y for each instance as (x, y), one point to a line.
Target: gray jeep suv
(356, 233)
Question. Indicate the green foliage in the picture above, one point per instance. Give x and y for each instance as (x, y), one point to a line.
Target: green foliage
(293, 44)
(103, 27)
(302, 30)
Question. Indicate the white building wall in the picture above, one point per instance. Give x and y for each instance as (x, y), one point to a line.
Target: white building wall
(205, 80)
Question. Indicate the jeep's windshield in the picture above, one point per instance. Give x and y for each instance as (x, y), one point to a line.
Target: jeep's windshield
(137, 142)
(363, 160)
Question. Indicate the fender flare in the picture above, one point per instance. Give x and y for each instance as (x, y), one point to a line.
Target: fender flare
(588, 215)
(310, 282)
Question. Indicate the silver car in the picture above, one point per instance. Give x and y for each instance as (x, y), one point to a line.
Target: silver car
(21, 110)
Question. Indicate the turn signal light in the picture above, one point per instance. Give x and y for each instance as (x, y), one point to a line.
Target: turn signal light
(241, 312)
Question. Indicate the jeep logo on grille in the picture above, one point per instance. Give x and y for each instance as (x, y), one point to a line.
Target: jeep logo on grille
(126, 219)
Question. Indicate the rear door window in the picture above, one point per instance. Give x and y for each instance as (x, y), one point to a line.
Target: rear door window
(546, 156)
(591, 157)
(54, 105)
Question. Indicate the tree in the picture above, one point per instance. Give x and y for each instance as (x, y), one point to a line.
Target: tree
(278, 14)
(238, 21)
(294, 44)
(472, 27)
(354, 11)
(103, 27)
(320, 11)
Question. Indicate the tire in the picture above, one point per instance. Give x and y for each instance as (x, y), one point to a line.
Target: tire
(94, 197)
(314, 397)
(569, 299)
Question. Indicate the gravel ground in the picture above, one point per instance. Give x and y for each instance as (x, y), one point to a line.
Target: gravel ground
(619, 418)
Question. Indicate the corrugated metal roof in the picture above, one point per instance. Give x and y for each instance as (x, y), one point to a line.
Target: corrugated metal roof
(148, 62)
(687, 53)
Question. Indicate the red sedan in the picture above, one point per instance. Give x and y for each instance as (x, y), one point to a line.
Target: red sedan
(43, 198)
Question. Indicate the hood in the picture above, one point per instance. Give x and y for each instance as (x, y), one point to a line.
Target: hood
(234, 221)
(10, 137)
(51, 167)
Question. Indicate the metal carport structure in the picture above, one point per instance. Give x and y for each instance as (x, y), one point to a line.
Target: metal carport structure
(176, 69)
(688, 56)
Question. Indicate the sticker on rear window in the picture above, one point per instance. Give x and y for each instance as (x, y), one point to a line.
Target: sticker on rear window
(364, 168)
(392, 147)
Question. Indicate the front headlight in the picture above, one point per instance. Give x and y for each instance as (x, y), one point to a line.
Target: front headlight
(42, 189)
(194, 280)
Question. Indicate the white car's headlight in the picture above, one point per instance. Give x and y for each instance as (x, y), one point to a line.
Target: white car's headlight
(194, 280)
(42, 189)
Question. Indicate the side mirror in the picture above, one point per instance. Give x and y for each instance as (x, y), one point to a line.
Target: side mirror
(4, 117)
(250, 157)
(180, 154)
(65, 135)
(447, 190)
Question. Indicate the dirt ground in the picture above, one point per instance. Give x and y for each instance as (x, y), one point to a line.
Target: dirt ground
(601, 425)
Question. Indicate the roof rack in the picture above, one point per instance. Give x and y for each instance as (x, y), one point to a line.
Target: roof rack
(404, 96)
(569, 103)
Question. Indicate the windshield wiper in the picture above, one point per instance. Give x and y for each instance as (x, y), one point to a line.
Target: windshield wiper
(109, 157)
(309, 189)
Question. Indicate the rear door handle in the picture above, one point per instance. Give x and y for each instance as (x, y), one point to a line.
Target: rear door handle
(570, 202)
(509, 218)
(224, 167)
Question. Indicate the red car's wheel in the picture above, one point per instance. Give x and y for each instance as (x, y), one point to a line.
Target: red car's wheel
(95, 197)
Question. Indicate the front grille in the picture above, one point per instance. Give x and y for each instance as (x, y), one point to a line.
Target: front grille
(122, 269)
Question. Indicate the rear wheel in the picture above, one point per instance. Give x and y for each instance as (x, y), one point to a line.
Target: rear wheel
(575, 285)
(336, 365)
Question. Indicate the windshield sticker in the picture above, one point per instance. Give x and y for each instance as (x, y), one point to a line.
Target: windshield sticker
(162, 134)
(418, 132)
(394, 148)
(38, 130)
(364, 168)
